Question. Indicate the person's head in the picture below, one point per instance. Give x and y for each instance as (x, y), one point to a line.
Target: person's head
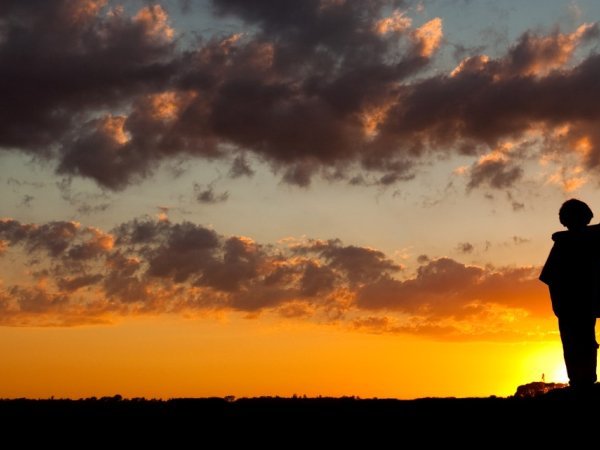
(575, 214)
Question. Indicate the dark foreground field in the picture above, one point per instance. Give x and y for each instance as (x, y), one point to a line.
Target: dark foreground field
(302, 420)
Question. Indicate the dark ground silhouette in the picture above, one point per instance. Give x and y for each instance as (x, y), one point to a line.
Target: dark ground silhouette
(268, 419)
(538, 388)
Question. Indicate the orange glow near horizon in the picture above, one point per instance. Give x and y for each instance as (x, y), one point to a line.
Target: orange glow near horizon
(199, 358)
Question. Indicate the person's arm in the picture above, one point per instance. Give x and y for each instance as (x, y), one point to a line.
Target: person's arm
(551, 275)
(550, 270)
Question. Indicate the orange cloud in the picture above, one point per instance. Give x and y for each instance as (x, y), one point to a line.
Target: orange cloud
(155, 267)
(373, 117)
(475, 64)
(428, 37)
(396, 23)
(446, 288)
(155, 21)
(227, 44)
(113, 128)
(538, 55)
(82, 11)
(164, 106)
(571, 153)
(568, 179)
(496, 325)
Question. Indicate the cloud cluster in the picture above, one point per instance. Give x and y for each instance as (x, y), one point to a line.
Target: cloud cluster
(447, 288)
(310, 87)
(79, 274)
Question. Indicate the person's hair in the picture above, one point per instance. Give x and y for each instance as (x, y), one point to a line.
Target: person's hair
(575, 214)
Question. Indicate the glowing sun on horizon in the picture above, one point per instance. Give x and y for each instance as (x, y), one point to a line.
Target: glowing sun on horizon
(550, 363)
(558, 374)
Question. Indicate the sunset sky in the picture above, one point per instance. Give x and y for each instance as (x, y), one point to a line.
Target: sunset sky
(268, 197)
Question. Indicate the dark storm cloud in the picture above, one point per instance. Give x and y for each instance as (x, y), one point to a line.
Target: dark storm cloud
(315, 84)
(61, 62)
(484, 101)
(60, 59)
(533, 53)
(293, 92)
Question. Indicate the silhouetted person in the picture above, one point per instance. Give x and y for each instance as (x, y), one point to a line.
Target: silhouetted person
(572, 273)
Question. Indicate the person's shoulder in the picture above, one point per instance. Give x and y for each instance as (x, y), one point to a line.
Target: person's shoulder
(561, 236)
(593, 228)
(591, 232)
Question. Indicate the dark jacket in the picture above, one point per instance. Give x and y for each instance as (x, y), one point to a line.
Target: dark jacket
(572, 271)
